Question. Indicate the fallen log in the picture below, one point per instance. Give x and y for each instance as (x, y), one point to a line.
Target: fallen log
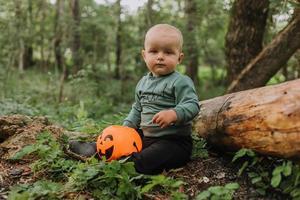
(266, 120)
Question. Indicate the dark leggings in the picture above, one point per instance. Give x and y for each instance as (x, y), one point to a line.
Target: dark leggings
(162, 153)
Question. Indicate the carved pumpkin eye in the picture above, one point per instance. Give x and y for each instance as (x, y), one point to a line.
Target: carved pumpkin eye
(108, 138)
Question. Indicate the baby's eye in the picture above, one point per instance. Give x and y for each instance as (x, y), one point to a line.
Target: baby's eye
(169, 52)
(152, 51)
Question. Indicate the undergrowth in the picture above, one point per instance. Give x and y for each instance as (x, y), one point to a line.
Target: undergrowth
(103, 180)
(270, 176)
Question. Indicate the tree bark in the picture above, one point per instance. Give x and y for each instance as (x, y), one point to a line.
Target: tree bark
(266, 120)
(259, 71)
(149, 13)
(43, 63)
(76, 56)
(297, 55)
(244, 38)
(28, 49)
(58, 30)
(192, 47)
(21, 50)
(118, 41)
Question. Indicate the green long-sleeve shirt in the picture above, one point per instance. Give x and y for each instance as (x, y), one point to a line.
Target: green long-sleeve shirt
(154, 94)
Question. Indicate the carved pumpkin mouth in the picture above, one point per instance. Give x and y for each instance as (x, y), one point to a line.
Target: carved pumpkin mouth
(108, 152)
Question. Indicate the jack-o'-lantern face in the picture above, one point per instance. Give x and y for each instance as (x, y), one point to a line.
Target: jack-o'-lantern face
(118, 141)
(106, 146)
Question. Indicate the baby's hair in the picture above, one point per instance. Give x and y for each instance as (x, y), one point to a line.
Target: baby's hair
(167, 27)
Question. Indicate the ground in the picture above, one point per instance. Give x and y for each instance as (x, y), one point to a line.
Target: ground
(199, 174)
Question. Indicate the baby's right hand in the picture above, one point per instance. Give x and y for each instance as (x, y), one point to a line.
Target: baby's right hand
(165, 118)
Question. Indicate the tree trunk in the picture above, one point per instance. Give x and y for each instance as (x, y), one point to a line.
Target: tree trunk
(28, 49)
(58, 30)
(18, 13)
(191, 40)
(76, 56)
(297, 55)
(59, 38)
(43, 63)
(266, 120)
(21, 56)
(244, 39)
(149, 13)
(118, 41)
(259, 71)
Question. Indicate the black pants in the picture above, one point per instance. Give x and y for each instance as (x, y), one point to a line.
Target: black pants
(162, 153)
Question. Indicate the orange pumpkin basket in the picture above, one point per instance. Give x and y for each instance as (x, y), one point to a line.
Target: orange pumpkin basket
(118, 141)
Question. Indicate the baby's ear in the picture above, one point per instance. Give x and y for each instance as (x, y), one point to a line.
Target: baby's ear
(180, 58)
(143, 53)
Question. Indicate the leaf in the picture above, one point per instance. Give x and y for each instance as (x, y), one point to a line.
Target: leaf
(239, 154)
(232, 186)
(250, 153)
(276, 179)
(177, 184)
(218, 190)
(203, 195)
(245, 164)
(261, 191)
(25, 151)
(18, 196)
(256, 179)
(277, 170)
(295, 192)
(252, 174)
(147, 188)
(287, 170)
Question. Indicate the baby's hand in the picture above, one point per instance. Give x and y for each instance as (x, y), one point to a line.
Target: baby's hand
(165, 118)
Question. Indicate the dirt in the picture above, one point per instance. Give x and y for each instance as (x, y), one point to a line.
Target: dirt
(199, 174)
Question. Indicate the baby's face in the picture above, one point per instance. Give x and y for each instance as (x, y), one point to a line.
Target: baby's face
(162, 52)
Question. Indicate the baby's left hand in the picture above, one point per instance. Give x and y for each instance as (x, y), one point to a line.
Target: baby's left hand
(165, 118)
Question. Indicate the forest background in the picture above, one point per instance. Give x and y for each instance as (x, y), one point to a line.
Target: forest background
(59, 55)
(77, 62)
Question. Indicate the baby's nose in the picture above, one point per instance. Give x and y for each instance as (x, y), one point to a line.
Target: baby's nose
(160, 56)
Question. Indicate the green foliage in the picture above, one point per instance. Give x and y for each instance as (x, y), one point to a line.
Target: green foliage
(10, 106)
(114, 180)
(199, 147)
(243, 153)
(51, 156)
(284, 169)
(169, 185)
(269, 173)
(42, 189)
(211, 82)
(104, 180)
(219, 192)
(46, 147)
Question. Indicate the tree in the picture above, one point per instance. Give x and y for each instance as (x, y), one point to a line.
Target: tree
(265, 119)
(28, 49)
(58, 40)
(191, 40)
(118, 41)
(58, 31)
(244, 39)
(149, 13)
(259, 71)
(21, 52)
(76, 55)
